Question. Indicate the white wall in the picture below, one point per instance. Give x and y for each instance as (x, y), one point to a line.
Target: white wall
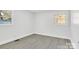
(26, 23)
(23, 25)
(46, 25)
(75, 28)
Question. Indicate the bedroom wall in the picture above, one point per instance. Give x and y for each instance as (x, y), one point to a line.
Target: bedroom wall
(75, 27)
(26, 23)
(45, 24)
(22, 26)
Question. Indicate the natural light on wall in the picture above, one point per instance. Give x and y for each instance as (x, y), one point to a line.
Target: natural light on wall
(60, 19)
(76, 21)
(75, 18)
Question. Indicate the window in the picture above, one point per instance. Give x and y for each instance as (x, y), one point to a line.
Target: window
(5, 17)
(60, 19)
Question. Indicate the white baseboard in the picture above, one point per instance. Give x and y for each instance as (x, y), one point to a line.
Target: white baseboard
(12, 39)
(53, 35)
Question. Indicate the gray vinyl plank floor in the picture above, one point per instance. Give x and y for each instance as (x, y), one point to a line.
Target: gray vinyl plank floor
(36, 41)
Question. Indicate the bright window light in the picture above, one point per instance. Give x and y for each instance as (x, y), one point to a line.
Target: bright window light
(60, 19)
(75, 19)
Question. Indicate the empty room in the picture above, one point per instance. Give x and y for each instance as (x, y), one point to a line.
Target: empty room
(39, 29)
